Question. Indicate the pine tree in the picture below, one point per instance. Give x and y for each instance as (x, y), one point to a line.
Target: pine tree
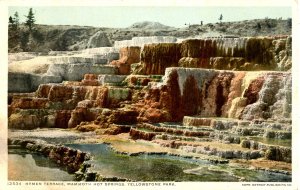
(16, 20)
(30, 20)
(289, 23)
(258, 26)
(221, 18)
(11, 21)
(14, 32)
(16, 23)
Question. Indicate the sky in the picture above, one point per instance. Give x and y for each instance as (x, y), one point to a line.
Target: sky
(124, 16)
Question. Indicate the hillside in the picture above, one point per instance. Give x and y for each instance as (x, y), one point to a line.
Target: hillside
(147, 25)
(60, 38)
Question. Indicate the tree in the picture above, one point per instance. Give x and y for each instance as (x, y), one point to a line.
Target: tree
(16, 19)
(13, 31)
(11, 21)
(30, 20)
(221, 18)
(24, 38)
(258, 26)
(289, 23)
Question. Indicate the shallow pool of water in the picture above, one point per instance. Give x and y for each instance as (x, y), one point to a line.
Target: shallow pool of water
(272, 141)
(168, 168)
(26, 166)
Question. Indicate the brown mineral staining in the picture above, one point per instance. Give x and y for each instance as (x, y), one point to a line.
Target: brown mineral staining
(244, 54)
(60, 93)
(90, 80)
(62, 118)
(157, 57)
(253, 89)
(43, 91)
(136, 134)
(174, 97)
(211, 85)
(128, 56)
(29, 103)
(192, 97)
(235, 87)
(217, 92)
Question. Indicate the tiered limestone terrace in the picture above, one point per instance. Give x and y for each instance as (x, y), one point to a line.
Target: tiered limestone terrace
(227, 100)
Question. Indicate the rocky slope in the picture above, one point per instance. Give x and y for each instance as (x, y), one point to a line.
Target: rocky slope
(61, 38)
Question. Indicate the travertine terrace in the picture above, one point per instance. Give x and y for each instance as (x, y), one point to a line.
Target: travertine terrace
(224, 97)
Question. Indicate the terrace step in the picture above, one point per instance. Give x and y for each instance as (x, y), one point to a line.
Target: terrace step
(142, 80)
(272, 152)
(184, 127)
(181, 138)
(76, 72)
(173, 131)
(227, 154)
(111, 79)
(268, 141)
(196, 121)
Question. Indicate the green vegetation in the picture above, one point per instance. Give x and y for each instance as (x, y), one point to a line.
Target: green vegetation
(221, 18)
(14, 31)
(30, 20)
(289, 23)
(23, 36)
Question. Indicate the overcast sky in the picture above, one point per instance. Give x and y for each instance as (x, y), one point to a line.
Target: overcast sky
(116, 16)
